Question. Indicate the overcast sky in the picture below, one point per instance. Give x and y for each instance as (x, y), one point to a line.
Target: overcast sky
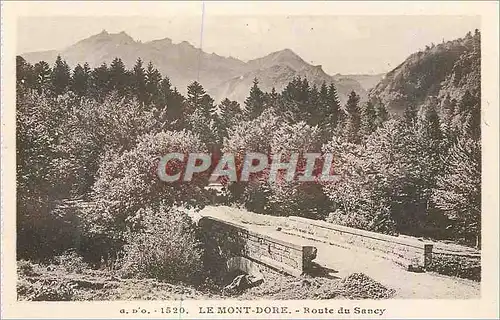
(341, 44)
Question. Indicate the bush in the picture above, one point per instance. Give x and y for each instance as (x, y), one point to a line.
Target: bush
(268, 134)
(362, 199)
(164, 245)
(72, 262)
(457, 266)
(127, 181)
(44, 290)
(25, 268)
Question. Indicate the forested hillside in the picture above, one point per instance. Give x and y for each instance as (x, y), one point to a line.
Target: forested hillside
(89, 140)
(450, 68)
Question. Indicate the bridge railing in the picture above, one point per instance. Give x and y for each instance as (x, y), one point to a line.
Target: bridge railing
(235, 239)
(408, 252)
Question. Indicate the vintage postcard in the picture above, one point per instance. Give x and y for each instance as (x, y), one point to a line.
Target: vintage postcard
(253, 160)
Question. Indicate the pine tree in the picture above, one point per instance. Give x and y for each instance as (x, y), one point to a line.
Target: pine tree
(60, 77)
(448, 109)
(164, 94)
(139, 81)
(333, 113)
(195, 93)
(80, 80)
(410, 115)
(153, 80)
(25, 74)
(312, 113)
(382, 114)
(369, 118)
(353, 125)
(118, 76)
(304, 101)
(272, 98)
(175, 111)
(458, 191)
(321, 109)
(468, 115)
(42, 74)
(429, 124)
(230, 115)
(100, 82)
(201, 116)
(255, 102)
(230, 111)
(289, 106)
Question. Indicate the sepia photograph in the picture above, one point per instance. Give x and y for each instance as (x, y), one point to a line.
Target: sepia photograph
(250, 157)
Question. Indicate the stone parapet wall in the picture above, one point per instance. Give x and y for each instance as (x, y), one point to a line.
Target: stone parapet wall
(406, 252)
(235, 239)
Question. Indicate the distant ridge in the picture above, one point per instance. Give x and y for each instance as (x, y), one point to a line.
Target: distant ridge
(221, 76)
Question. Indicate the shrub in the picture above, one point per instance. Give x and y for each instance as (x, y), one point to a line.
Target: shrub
(72, 262)
(457, 266)
(362, 198)
(127, 181)
(163, 245)
(25, 268)
(44, 290)
(268, 134)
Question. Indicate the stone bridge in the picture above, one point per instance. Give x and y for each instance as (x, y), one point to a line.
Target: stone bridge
(278, 251)
(294, 245)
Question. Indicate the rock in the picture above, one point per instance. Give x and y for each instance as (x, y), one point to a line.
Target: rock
(240, 283)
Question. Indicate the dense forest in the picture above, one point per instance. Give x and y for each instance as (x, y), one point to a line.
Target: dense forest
(88, 141)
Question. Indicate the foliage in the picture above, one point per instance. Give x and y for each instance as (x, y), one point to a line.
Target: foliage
(72, 262)
(25, 268)
(456, 266)
(458, 191)
(353, 124)
(98, 134)
(127, 181)
(163, 244)
(255, 102)
(44, 290)
(447, 67)
(361, 195)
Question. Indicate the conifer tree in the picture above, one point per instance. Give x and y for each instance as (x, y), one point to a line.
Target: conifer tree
(382, 114)
(139, 81)
(81, 80)
(334, 111)
(230, 115)
(429, 124)
(153, 79)
(255, 102)
(195, 93)
(410, 115)
(458, 190)
(272, 97)
(369, 118)
(118, 76)
(100, 81)
(312, 112)
(174, 104)
(25, 74)
(42, 75)
(353, 124)
(60, 76)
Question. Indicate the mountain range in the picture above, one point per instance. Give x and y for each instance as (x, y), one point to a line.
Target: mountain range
(221, 76)
(447, 69)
